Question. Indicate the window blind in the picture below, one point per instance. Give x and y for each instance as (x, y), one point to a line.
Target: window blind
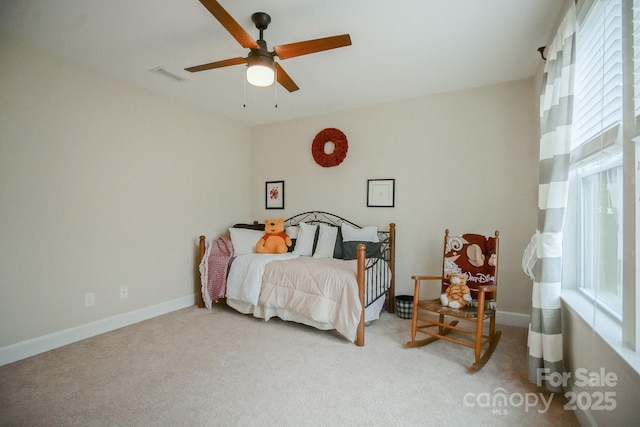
(598, 101)
(636, 59)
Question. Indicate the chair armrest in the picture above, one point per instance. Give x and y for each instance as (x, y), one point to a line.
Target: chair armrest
(481, 291)
(426, 277)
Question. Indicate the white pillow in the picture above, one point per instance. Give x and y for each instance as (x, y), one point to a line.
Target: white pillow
(364, 234)
(244, 240)
(326, 241)
(306, 237)
(293, 231)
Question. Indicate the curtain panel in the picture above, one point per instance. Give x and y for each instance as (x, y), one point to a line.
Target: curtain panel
(556, 117)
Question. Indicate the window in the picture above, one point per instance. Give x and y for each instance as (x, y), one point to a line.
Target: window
(602, 227)
(599, 185)
(596, 157)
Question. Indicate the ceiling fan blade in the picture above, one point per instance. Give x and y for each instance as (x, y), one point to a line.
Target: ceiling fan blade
(217, 64)
(230, 24)
(284, 79)
(311, 46)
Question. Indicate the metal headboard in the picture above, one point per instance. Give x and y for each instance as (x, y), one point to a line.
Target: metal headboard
(321, 217)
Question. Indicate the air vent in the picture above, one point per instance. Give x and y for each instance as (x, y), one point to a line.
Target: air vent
(168, 74)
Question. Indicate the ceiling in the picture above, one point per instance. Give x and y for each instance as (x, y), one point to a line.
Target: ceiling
(400, 49)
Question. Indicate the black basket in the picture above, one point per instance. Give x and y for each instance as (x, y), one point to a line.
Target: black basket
(404, 306)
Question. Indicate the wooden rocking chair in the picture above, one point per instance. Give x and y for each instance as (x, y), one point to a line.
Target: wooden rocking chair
(476, 257)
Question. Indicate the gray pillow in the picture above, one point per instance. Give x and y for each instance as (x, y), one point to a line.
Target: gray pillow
(350, 249)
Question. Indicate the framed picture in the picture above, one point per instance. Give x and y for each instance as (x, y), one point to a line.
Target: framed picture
(380, 193)
(274, 195)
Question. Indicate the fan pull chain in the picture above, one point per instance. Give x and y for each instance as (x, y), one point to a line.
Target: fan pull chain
(244, 90)
(275, 84)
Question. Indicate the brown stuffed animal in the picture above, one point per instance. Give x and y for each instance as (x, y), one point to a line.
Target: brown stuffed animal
(275, 240)
(457, 294)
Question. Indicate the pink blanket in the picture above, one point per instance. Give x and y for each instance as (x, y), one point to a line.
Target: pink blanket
(214, 268)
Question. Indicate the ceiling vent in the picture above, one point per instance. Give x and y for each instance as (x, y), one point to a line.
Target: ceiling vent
(168, 74)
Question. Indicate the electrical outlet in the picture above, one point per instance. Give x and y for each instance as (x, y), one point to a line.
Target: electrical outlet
(124, 291)
(89, 299)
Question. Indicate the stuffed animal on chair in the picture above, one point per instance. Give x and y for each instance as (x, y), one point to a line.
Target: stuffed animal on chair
(457, 294)
(274, 240)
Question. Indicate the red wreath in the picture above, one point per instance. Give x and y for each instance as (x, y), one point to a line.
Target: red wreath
(339, 153)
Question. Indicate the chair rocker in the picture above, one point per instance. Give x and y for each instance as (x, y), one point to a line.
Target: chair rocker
(476, 258)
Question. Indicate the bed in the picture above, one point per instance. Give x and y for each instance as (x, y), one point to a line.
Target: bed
(337, 274)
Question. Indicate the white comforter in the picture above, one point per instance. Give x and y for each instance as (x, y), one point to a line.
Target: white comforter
(323, 290)
(245, 276)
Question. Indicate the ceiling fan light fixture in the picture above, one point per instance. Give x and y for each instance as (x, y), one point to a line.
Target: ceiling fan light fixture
(260, 70)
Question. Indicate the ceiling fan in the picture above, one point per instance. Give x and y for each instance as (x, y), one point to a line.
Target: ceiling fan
(261, 66)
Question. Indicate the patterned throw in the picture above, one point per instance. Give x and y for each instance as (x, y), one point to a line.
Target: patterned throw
(473, 255)
(214, 268)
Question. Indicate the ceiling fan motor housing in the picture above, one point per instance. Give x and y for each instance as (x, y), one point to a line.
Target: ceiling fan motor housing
(260, 56)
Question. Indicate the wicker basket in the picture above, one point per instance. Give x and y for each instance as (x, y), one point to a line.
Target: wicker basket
(404, 306)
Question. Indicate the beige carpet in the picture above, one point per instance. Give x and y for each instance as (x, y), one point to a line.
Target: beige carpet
(198, 367)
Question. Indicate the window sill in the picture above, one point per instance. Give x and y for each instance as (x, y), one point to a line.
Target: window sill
(606, 327)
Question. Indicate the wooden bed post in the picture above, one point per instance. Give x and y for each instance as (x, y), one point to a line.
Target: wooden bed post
(362, 255)
(198, 286)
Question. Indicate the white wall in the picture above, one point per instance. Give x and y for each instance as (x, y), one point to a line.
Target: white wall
(102, 185)
(464, 160)
(586, 355)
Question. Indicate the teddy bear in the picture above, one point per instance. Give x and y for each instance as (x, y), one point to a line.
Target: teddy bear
(457, 294)
(274, 240)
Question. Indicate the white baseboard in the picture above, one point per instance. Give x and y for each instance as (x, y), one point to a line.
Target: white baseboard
(584, 417)
(28, 348)
(31, 347)
(512, 319)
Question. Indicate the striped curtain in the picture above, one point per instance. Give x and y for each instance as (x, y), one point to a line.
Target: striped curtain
(556, 116)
